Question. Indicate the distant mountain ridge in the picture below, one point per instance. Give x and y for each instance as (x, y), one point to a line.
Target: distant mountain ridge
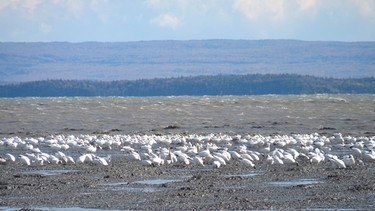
(256, 84)
(21, 62)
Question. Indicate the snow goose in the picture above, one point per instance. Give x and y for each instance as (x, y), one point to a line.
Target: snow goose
(10, 157)
(197, 160)
(2, 160)
(220, 160)
(234, 154)
(133, 156)
(289, 159)
(100, 161)
(369, 156)
(216, 164)
(349, 160)
(277, 160)
(338, 163)
(270, 160)
(24, 159)
(247, 162)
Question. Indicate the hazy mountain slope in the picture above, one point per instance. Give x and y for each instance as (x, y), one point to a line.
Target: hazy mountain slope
(150, 59)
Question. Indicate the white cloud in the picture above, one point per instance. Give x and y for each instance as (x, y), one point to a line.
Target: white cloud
(76, 7)
(32, 4)
(290, 10)
(5, 4)
(306, 4)
(45, 28)
(366, 7)
(168, 4)
(152, 3)
(29, 5)
(185, 7)
(255, 9)
(98, 6)
(166, 20)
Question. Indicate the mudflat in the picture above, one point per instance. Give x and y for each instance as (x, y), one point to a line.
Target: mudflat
(128, 185)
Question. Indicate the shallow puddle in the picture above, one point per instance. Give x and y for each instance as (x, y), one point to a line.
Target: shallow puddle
(49, 172)
(159, 181)
(51, 208)
(150, 185)
(137, 189)
(296, 182)
(236, 187)
(116, 184)
(330, 209)
(244, 175)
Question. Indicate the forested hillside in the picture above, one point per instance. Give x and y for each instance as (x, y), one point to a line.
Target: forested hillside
(22, 62)
(254, 84)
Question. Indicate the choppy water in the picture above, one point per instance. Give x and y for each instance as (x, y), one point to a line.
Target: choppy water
(352, 114)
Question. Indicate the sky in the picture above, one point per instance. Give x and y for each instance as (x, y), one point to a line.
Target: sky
(137, 20)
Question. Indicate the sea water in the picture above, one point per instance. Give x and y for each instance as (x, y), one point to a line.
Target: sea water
(266, 114)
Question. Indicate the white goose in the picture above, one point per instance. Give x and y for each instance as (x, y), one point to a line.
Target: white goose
(220, 160)
(289, 159)
(216, 164)
(133, 156)
(100, 161)
(2, 160)
(197, 160)
(338, 163)
(234, 154)
(349, 160)
(10, 157)
(25, 160)
(247, 162)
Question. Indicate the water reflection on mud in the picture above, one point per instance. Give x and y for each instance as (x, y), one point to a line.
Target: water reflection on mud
(302, 181)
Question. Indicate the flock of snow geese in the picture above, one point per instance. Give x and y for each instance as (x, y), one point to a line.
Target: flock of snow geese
(210, 150)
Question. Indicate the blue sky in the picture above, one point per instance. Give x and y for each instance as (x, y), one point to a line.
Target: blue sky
(134, 20)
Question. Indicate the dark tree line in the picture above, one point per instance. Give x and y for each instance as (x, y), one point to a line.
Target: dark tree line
(254, 84)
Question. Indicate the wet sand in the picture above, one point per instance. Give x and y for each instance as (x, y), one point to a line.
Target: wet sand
(127, 185)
